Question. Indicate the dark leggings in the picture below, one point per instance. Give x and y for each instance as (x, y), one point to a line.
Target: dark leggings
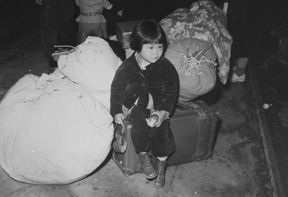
(159, 140)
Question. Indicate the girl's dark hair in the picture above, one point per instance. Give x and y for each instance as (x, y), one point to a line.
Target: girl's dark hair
(147, 32)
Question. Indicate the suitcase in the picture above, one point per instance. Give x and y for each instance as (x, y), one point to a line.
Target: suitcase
(194, 129)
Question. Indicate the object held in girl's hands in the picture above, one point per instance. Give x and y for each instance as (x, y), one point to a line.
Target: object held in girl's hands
(152, 120)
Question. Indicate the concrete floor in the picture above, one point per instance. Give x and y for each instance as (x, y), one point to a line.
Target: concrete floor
(271, 79)
(238, 167)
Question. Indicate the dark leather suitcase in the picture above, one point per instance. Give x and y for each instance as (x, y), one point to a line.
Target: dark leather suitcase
(194, 128)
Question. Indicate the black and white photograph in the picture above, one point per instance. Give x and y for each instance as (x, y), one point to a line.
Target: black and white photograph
(143, 98)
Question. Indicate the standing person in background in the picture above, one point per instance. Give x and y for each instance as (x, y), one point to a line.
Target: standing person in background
(57, 22)
(248, 23)
(113, 16)
(239, 25)
(148, 9)
(147, 84)
(242, 26)
(91, 20)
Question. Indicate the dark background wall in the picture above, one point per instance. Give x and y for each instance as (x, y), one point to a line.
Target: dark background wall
(18, 17)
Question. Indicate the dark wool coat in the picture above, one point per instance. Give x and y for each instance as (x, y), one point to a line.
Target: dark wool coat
(160, 79)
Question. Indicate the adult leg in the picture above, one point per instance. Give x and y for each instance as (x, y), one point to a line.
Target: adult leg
(66, 22)
(242, 28)
(48, 32)
(83, 32)
(99, 29)
(67, 33)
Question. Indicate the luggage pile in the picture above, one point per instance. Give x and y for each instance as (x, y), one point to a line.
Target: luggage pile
(57, 128)
(194, 130)
(198, 40)
(194, 61)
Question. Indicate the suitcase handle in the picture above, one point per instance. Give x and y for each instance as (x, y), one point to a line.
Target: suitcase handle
(119, 143)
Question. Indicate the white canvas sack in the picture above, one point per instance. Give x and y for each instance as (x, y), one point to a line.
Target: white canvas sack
(52, 131)
(93, 66)
(56, 129)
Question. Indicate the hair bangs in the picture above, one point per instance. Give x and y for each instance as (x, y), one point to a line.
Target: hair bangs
(147, 32)
(152, 34)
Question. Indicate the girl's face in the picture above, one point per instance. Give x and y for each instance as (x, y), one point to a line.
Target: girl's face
(150, 53)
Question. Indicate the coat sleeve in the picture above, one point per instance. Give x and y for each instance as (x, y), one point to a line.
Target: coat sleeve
(117, 89)
(171, 93)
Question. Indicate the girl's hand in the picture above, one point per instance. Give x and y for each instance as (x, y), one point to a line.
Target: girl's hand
(163, 115)
(126, 111)
(120, 13)
(118, 118)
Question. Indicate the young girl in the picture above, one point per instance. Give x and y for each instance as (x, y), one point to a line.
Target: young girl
(147, 84)
(91, 20)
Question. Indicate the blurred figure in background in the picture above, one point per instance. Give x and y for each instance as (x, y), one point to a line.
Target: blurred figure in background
(91, 20)
(240, 25)
(249, 22)
(57, 22)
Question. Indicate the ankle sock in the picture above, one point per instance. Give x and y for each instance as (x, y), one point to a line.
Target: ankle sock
(162, 158)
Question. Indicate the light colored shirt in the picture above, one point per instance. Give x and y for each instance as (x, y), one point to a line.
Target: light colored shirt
(91, 10)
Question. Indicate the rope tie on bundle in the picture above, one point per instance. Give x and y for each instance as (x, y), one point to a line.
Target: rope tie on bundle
(194, 61)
